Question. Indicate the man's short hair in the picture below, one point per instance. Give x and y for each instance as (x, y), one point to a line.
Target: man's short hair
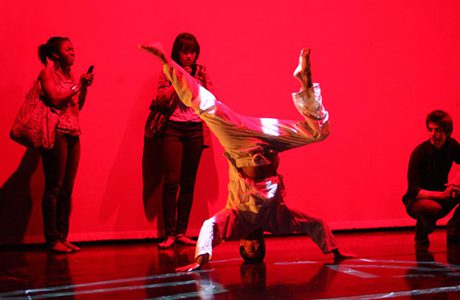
(259, 255)
(442, 119)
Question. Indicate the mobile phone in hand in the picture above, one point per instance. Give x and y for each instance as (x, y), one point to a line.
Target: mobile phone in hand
(194, 68)
(90, 69)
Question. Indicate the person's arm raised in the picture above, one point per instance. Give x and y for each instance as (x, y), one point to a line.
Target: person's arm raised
(157, 50)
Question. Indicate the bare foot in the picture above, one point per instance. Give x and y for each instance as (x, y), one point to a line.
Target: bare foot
(157, 50)
(182, 239)
(60, 248)
(189, 268)
(339, 255)
(71, 246)
(167, 243)
(303, 72)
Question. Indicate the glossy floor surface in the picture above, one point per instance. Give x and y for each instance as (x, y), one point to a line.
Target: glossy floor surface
(387, 266)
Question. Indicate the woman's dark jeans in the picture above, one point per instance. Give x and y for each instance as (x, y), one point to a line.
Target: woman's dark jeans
(60, 166)
(182, 146)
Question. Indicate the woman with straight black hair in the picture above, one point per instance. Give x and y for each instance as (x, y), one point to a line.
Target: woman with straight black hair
(182, 143)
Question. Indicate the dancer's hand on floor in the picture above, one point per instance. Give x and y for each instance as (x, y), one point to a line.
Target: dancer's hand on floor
(189, 268)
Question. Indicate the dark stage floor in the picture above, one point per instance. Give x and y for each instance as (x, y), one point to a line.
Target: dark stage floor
(387, 266)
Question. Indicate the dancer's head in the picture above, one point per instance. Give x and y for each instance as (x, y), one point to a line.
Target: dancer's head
(185, 50)
(440, 126)
(252, 247)
(57, 49)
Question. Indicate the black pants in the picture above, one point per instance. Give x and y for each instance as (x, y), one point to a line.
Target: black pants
(182, 146)
(427, 212)
(60, 165)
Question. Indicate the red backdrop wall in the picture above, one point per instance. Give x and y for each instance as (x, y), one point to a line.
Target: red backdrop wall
(383, 65)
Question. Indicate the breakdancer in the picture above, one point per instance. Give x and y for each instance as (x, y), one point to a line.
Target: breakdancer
(252, 145)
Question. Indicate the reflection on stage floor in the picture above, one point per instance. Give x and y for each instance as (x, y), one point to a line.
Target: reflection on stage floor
(387, 266)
